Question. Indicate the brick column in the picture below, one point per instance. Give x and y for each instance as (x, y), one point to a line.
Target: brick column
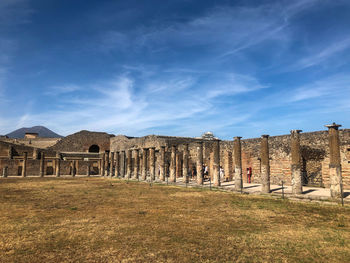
(297, 187)
(162, 164)
(185, 164)
(265, 164)
(136, 163)
(24, 168)
(102, 164)
(129, 164)
(144, 164)
(42, 165)
(335, 173)
(216, 163)
(122, 164)
(200, 163)
(111, 166)
(152, 164)
(237, 152)
(117, 165)
(58, 164)
(173, 164)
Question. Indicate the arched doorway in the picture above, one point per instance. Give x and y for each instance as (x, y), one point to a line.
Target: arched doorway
(94, 149)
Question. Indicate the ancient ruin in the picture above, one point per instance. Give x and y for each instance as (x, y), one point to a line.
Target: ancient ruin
(319, 159)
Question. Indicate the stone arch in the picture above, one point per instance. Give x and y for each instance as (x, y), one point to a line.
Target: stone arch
(94, 149)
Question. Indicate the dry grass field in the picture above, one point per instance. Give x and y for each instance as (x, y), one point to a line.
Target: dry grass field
(104, 220)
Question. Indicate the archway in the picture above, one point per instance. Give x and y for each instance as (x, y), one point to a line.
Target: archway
(94, 149)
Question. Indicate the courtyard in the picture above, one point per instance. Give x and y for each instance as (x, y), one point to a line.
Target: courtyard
(110, 220)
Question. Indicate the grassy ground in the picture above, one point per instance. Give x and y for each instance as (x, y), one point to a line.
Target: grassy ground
(101, 220)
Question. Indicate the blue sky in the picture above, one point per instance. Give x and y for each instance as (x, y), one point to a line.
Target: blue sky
(236, 68)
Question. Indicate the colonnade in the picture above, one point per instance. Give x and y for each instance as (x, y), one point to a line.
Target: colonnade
(176, 167)
(119, 163)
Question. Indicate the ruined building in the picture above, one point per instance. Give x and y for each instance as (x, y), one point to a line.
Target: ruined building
(315, 158)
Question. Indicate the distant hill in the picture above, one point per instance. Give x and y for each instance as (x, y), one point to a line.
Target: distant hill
(41, 130)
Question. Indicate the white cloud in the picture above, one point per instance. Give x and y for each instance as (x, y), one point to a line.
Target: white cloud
(125, 105)
(234, 84)
(334, 86)
(326, 53)
(57, 90)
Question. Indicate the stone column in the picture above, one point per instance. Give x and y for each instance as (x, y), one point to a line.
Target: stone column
(74, 169)
(228, 170)
(265, 164)
(200, 163)
(172, 176)
(5, 172)
(117, 165)
(237, 152)
(35, 153)
(24, 167)
(297, 187)
(42, 165)
(185, 164)
(103, 164)
(122, 164)
(335, 173)
(106, 164)
(210, 165)
(88, 169)
(162, 164)
(144, 164)
(216, 163)
(58, 164)
(152, 165)
(136, 164)
(111, 161)
(128, 164)
(178, 165)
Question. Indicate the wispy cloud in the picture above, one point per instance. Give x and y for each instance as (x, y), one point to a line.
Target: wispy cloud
(123, 106)
(57, 90)
(318, 57)
(335, 86)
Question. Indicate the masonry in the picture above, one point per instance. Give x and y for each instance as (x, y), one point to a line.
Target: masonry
(151, 157)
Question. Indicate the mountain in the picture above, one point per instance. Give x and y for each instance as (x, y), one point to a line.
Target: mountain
(41, 130)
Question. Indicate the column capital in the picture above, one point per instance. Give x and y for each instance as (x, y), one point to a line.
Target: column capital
(333, 126)
(295, 131)
(265, 136)
(237, 137)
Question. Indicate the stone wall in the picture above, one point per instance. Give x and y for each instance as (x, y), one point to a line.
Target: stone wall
(33, 142)
(82, 141)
